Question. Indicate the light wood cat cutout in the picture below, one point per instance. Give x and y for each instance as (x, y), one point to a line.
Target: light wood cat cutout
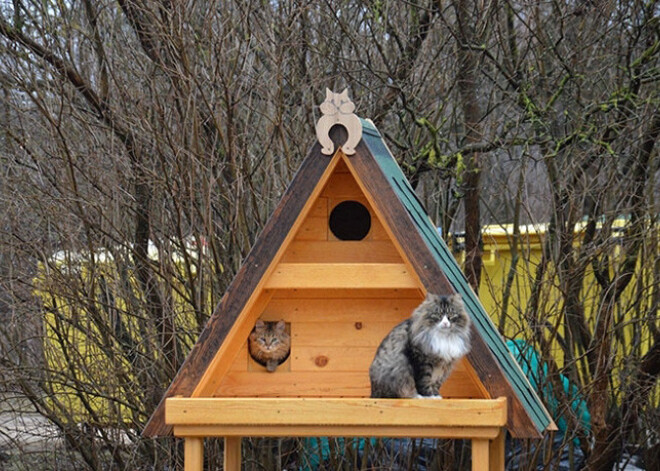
(338, 109)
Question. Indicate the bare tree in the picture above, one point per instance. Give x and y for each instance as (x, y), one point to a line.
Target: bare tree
(145, 143)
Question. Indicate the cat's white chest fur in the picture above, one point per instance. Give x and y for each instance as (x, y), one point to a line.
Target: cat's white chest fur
(446, 345)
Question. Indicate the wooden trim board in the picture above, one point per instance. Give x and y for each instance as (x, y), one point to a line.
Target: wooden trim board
(341, 275)
(383, 431)
(344, 412)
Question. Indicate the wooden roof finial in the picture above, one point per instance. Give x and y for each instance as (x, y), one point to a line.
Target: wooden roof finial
(338, 109)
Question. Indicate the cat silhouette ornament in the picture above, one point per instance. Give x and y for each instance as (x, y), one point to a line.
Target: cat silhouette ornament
(338, 109)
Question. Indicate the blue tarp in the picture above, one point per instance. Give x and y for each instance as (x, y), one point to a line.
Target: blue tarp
(537, 374)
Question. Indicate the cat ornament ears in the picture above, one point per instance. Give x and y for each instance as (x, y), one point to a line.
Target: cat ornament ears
(338, 109)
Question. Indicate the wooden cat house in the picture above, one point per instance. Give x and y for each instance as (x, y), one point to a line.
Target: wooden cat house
(348, 253)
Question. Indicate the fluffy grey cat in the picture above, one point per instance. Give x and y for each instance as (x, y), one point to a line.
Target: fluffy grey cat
(416, 357)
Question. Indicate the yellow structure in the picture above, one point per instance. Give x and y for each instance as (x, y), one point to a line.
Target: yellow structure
(631, 331)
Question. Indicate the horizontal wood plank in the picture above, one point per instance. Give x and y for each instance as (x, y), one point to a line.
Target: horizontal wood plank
(334, 431)
(293, 384)
(325, 310)
(324, 384)
(366, 251)
(336, 293)
(341, 275)
(333, 358)
(340, 334)
(316, 411)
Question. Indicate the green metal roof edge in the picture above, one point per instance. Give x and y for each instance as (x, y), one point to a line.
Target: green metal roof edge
(521, 386)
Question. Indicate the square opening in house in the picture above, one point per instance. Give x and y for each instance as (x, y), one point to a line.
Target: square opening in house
(350, 220)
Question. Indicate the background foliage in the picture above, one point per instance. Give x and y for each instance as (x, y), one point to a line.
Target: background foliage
(144, 144)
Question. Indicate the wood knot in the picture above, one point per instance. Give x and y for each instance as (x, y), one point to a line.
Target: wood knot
(358, 325)
(321, 361)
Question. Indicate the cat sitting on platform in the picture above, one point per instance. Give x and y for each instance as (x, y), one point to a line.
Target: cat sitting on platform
(418, 355)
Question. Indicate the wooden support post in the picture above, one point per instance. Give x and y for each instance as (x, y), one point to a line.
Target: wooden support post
(232, 454)
(193, 450)
(480, 450)
(497, 451)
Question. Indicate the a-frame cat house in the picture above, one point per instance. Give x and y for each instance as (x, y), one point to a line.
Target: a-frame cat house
(348, 253)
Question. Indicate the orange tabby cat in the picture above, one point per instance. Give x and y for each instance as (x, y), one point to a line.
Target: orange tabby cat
(269, 344)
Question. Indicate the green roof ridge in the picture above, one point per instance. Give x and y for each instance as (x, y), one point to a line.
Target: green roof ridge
(450, 267)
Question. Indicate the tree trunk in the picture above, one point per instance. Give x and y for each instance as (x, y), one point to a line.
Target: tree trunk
(467, 58)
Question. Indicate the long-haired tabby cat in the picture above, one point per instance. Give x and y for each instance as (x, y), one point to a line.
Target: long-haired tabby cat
(269, 344)
(417, 356)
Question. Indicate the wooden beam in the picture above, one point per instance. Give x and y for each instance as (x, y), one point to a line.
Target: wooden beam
(340, 412)
(469, 433)
(480, 458)
(341, 275)
(193, 458)
(497, 451)
(232, 457)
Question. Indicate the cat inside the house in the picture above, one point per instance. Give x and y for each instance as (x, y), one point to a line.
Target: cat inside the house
(269, 344)
(417, 356)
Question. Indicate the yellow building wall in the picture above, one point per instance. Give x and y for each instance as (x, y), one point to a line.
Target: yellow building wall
(631, 332)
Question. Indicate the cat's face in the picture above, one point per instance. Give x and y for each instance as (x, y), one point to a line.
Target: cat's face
(445, 313)
(270, 337)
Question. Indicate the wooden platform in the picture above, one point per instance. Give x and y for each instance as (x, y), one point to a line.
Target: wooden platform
(479, 420)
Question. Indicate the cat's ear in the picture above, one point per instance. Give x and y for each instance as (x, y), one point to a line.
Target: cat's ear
(456, 297)
(344, 94)
(328, 94)
(259, 325)
(280, 326)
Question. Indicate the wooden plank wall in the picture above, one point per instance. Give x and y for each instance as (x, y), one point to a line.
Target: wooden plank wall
(334, 339)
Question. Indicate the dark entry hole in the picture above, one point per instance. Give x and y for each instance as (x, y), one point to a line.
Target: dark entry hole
(350, 220)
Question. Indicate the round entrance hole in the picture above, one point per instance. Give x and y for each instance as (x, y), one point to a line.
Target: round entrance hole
(350, 220)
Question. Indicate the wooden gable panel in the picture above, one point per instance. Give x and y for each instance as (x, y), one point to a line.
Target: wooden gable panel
(341, 186)
(341, 275)
(325, 412)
